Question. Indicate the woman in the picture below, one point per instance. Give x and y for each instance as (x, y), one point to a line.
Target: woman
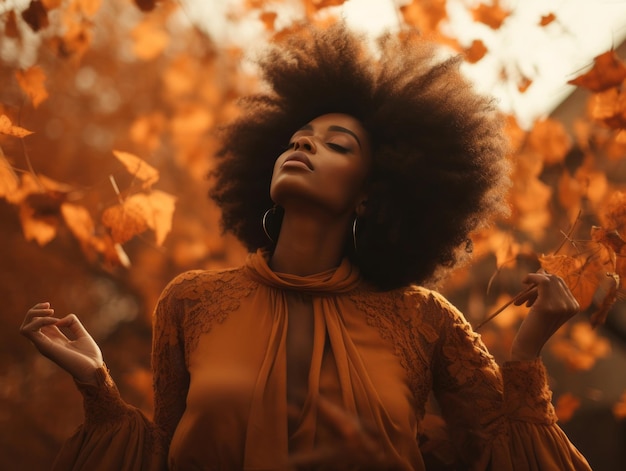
(321, 351)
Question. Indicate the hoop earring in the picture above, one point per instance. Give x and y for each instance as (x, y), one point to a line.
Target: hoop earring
(354, 233)
(264, 222)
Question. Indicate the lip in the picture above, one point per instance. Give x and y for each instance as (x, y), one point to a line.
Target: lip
(299, 157)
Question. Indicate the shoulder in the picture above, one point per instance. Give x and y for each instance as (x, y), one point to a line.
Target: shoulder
(195, 284)
(428, 301)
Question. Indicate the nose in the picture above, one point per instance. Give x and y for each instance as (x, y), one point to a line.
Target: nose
(304, 143)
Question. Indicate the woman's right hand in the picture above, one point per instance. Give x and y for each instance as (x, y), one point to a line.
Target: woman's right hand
(73, 349)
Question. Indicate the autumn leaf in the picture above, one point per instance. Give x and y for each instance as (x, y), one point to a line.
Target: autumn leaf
(608, 71)
(148, 130)
(566, 405)
(31, 81)
(492, 15)
(10, 26)
(268, 18)
(78, 220)
(36, 15)
(547, 19)
(139, 213)
(426, 15)
(581, 275)
(523, 84)
(150, 39)
(146, 5)
(582, 349)
(475, 52)
(51, 4)
(313, 5)
(137, 167)
(162, 207)
(125, 220)
(613, 214)
(598, 317)
(41, 229)
(609, 107)
(549, 138)
(6, 127)
(9, 181)
(610, 238)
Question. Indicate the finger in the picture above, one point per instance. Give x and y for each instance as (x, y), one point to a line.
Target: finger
(39, 310)
(32, 330)
(73, 324)
(536, 278)
(44, 305)
(528, 297)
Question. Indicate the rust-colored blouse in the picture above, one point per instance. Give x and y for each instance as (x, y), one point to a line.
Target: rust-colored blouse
(219, 360)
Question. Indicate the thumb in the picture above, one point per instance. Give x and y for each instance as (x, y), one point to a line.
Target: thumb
(74, 325)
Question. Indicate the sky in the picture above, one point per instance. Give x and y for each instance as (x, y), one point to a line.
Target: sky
(549, 56)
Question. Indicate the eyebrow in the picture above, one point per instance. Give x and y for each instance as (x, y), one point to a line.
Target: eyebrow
(308, 127)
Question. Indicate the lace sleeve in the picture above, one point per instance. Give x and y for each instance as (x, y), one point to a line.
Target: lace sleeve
(170, 374)
(116, 435)
(479, 400)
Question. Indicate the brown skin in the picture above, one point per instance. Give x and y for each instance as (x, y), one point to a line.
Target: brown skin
(321, 198)
(320, 203)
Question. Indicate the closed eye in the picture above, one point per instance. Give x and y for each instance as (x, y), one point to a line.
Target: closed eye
(338, 148)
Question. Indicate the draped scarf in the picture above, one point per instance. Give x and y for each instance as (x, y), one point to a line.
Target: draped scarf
(266, 439)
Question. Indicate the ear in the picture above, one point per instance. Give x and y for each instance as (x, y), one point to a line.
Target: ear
(361, 206)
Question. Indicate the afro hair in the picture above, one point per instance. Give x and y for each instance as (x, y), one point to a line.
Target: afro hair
(439, 155)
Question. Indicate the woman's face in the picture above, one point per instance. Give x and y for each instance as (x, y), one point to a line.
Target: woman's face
(325, 166)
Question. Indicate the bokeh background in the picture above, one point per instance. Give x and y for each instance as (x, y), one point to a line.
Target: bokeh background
(107, 113)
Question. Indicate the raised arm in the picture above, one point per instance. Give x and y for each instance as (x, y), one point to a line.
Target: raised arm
(116, 435)
(502, 418)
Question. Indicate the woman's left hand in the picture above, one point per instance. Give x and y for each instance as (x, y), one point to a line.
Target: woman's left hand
(552, 304)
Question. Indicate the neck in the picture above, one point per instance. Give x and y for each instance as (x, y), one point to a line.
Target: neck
(308, 245)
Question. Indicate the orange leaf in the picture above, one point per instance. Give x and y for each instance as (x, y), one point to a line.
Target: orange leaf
(549, 138)
(137, 167)
(149, 39)
(6, 127)
(523, 84)
(514, 133)
(565, 406)
(268, 18)
(37, 228)
(608, 71)
(125, 220)
(611, 239)
(146, 5)
(8, 179)
(36, 15)
(10, 26)
(162, 207)
(31, 82)
(138, 213)
(582, 276)
(547, 19)
(613, 214)
(51, 4)
(582, 349)
(426, 15)
(475, 52)
(599, 316)
(78, 220)
(313, 5)
(491, 15)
